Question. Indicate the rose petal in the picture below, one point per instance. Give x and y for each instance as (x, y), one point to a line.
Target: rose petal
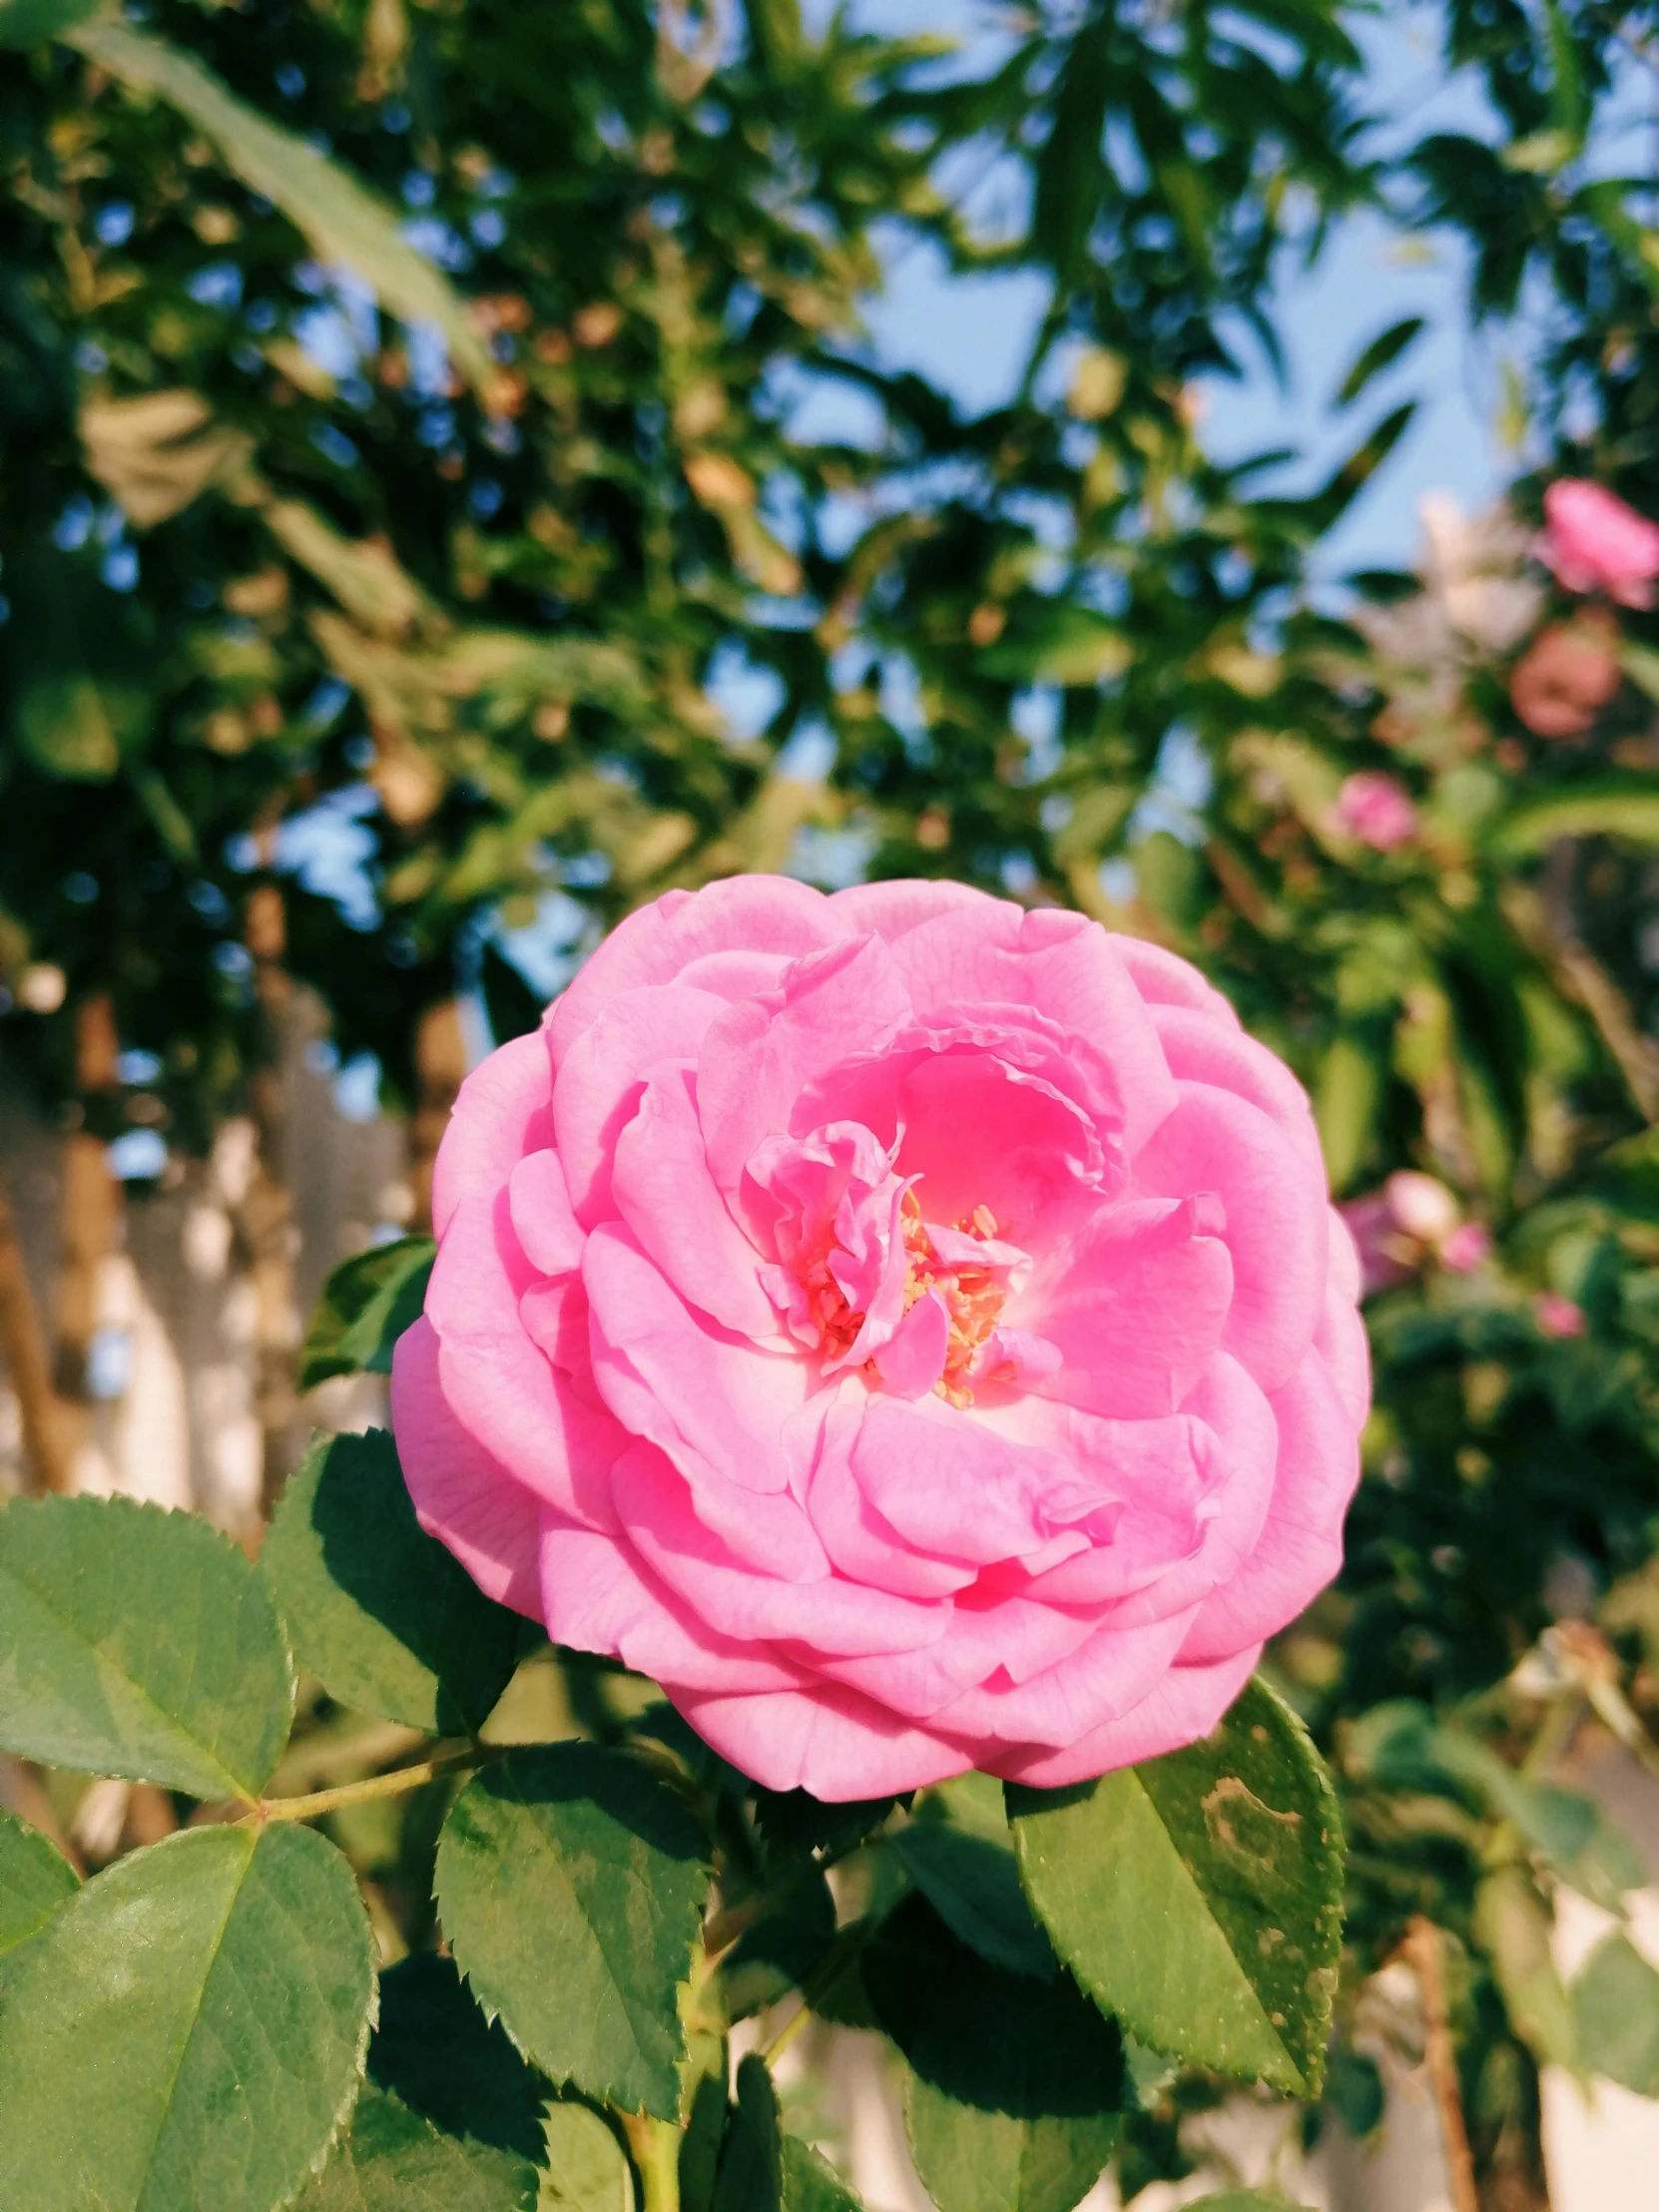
(1179, 1710)
(502, 1111)
(604, 1072)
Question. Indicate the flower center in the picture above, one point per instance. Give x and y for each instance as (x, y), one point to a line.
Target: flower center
(973, 1295)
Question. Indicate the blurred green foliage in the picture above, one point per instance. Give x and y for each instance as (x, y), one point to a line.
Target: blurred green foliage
(475, 594)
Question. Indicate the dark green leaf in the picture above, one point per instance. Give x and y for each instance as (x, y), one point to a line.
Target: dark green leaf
(188, 2029)
(763, 2170)
(959, 1854)
(394, 2161)
(1383, 351)
(1615, 2003)
(793, 1821)
(366, 1305)
(33, 22)
(34, 1881)
(387, 1619)
(435, 2049)
(141, 1643)
(572, 1884)
(1199, 1897)
(779, 1952)
(1015, 2083)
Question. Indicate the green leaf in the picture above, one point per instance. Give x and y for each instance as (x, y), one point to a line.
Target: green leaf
(796, 1821)
(366, 1305)
(34, 1881)
(1625, 809)
(1512, 1924)
(763, 2170)
(1615, 2003)
(1014, 2083)
(1241, 2200)
(1383, 351)
(139, 1642)
(586, 2168)
(959, 1854)
(188, 2029)
(1199, 1897)
(435, 2050)
(570, 1884)
(395, 2161)
(33, 22)
(340, 218)
(781, 1950)
(388, 1620)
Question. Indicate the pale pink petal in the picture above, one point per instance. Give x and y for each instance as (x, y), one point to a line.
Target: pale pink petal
(543, 1223)
(1107, 1675)
(502, 1111)
(602, 1077)
(461, 1496)
(598, 1595)
(1063, 967)
(1009, 1638)
(760, 1056)
(912, 1359)
(1200, 1050)
(1140, 1305)
(743, 1601)
(1276, 1221)
(542, 1429)
(893, 909)
(834, 1743)
(743, 913)
(1165, 979)
(1177, 1711)
(1301, 1545)
(662, 1188)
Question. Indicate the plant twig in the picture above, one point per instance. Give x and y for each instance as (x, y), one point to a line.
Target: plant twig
(23, 1354)
(1421, 1950)
(655, 2145)
(373, 1786)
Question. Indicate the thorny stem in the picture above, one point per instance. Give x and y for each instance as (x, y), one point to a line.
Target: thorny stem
(374, 1786)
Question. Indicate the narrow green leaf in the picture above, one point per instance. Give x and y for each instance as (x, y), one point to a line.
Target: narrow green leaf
(1199, 1897)
(586, 2168)
(434, 2049)
(395, 2161)
(139, 1642)
(571, 1885)
(1015, 2083)
(340, 218)
(763, 2170)
(188, 2029)
(388, 1620)
(1381, 352)
(1615, 2003)
(34, 1881)
(366, 1305)
(1626, 810)
(959, 1854)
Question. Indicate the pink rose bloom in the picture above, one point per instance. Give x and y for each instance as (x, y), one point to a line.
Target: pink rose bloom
(1568, 676)
(1593, 542)
(1466, 1246)
(1376, 809)
(910, 1328)
(1557, 1316)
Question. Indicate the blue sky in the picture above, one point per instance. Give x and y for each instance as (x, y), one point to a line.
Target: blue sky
(970, 335)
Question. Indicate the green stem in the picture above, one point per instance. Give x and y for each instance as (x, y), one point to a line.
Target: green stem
(375, 1786)
(655, 2145)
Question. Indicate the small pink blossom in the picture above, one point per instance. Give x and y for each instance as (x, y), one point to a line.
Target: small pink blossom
(909, 1329)
(1568, 676)
(1557, 1316)
(1421, 1205)
(1593, 542)
(1468, 1244)
(1377, 809)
